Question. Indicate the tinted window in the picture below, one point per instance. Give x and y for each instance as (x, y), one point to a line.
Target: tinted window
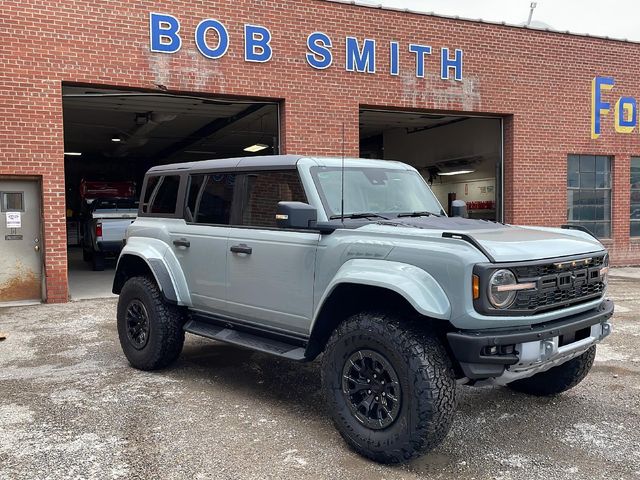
(213, 204)
(166, 195)
(635, 196)
(152, 182)
(195, 185)
(264, 191)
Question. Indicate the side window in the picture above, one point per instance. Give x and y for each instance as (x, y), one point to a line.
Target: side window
(264, 191)
(12, 201)
(152, 182)
(166, 195)
(193, 197)
(213, 204)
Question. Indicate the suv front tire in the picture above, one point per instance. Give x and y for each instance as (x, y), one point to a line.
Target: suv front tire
(389, 386)
(150, 330)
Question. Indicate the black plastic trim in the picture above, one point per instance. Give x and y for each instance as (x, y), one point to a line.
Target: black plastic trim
(467, 345)
(471, 240)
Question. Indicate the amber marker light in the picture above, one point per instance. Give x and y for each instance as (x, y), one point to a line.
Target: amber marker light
(476, 287)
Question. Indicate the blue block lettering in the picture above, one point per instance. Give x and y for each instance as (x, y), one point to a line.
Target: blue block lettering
(201, 38)
(394, 61)
(447, 63)
(361, 60)
(163, 33)
(319, 45)
(420, 51)
(257, 46)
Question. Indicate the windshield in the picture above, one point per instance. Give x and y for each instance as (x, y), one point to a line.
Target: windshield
(374, 190)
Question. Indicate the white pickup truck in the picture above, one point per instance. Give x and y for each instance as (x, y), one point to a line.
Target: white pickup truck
(104, 228)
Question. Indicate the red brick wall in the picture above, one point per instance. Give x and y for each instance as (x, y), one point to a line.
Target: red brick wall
(541, 80)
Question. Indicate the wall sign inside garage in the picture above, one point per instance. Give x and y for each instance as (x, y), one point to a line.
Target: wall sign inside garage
(212, 41)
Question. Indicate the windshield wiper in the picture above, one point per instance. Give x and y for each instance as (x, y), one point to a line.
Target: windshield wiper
(418, 214)
(358, 215)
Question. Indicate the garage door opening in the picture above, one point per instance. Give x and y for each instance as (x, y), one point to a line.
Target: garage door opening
(112, 137)
(459, 156)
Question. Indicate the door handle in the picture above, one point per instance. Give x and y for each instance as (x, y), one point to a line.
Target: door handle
(242, 248)
(182, 242)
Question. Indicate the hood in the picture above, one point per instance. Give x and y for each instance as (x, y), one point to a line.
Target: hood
(506, 243)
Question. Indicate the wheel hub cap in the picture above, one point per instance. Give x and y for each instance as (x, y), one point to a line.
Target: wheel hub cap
(371, 388)
(137, 324)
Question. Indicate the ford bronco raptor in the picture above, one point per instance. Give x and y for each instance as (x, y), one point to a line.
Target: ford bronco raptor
(356, 260)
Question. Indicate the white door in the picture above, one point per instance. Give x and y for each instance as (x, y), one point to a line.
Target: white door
(20, 241)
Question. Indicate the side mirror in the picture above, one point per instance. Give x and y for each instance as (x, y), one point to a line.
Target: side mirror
(296, 215)
(459, 209)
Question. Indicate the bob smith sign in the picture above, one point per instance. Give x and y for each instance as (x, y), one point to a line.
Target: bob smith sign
(212, 41)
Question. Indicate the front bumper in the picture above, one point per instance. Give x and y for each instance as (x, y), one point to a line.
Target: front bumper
(516, 353)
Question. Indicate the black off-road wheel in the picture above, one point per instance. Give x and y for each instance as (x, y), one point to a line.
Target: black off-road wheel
(557, 379)
(389, 386)
(150, 330)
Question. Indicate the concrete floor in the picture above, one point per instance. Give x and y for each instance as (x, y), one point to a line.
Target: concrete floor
(72, 408)
(84, 283)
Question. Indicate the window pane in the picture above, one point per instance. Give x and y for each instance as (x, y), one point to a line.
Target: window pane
(264, 191)
(587, 180)
(12, 202)
(573, 179)
(167, 196)
(587, 163)
(151, 184)
(635, 172)
(195, 182)
(574, 164)
(216, 199)
(602, 164)
(635, 229)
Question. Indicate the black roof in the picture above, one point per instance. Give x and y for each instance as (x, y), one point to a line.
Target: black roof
(240, 163)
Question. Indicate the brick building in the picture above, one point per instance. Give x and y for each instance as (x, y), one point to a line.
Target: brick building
(528, 126)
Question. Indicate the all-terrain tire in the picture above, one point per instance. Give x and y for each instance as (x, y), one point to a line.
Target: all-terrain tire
(557, 379)
(164, 339)
(427, 386)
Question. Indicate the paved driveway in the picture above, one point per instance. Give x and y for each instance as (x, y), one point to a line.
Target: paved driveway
(71, 407)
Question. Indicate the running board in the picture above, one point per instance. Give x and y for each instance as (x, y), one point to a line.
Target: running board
(245, 339)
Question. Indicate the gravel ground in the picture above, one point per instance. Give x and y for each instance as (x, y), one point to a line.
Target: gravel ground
(71, 407)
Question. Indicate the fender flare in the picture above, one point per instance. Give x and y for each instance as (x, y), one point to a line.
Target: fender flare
(163, 265)
(415, 285)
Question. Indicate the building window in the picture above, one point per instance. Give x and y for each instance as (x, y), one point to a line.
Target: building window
(589, 193)
(635, 196)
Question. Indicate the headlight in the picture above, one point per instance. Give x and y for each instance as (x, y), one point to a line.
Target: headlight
(501, 288)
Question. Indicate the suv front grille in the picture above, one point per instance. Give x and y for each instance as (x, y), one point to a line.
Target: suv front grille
(559, 283)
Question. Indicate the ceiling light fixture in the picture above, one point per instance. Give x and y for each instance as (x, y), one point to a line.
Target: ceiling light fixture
(116, 138)
(73, 154)
(256, 147)
(456, 172)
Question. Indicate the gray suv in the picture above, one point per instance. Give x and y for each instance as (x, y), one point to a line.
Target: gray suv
(356, 260)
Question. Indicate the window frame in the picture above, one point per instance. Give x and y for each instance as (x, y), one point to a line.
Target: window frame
(242, 195)
(178, 213)
(3, 207)
(610, 159)
(631, 191)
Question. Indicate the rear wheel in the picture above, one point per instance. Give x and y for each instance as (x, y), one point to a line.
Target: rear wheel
(557, 379)
(389, 386)
(150, 330)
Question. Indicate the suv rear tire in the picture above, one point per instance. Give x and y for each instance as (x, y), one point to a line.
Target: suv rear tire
(150, 330)
(406, 406)
(557, 379)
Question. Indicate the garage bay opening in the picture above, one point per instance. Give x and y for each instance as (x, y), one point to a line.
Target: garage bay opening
(459, 156)
(112, 137)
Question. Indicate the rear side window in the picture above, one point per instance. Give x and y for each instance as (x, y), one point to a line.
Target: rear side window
(211, 198)
(161, 194)
(264, 191)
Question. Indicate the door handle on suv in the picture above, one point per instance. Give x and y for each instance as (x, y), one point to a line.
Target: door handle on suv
(182, 242)
(242, 248)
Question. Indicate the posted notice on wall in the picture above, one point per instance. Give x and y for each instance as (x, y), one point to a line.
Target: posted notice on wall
(14, 219)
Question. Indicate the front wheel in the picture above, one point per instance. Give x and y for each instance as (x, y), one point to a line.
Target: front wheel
(150, 330)
(390, 387)
(557, 379)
